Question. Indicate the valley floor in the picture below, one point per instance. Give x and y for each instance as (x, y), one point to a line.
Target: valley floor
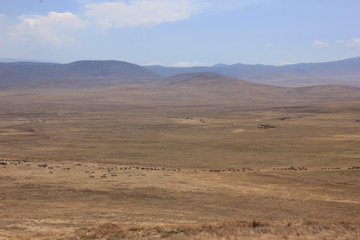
(55, 200)
(86, 170)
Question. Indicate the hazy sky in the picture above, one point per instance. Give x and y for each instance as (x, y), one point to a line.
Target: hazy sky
(181, 32)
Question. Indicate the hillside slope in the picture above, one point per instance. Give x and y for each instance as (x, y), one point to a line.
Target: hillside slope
(76, 74)
(213, 89)
(344, 72)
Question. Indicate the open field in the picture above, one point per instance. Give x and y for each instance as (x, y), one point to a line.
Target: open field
(70, 162)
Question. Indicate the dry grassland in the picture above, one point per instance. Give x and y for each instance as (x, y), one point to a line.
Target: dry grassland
(106, 169)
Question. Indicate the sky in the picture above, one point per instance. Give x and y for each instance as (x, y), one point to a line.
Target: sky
(180, 32)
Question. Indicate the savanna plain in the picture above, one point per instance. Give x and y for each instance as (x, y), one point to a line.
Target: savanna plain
(107, 165)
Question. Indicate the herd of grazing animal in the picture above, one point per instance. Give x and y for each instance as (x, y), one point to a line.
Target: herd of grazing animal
(114, 170)
(6, 162)
(290, 168)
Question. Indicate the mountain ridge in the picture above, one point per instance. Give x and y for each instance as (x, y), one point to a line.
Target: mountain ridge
(75, 74)
(344, 72)
(112, 72)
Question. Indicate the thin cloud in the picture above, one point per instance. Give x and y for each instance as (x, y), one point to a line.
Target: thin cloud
(355, 42)
(120, 14)
(230, 5)
(319, 43)
(153, 63)
(187, 64)
(340, 41)
(55, 28)
(287, 63)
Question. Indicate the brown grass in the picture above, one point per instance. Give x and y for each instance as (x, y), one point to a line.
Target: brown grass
(309, 230)
(205, 172)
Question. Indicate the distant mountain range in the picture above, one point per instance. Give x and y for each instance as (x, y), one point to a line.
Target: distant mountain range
(130, 82)
(344, 72)
(76, 74)
(112, 73)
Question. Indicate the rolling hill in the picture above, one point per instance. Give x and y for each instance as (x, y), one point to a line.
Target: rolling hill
(218, 88)
(112, 73)
(205, 89)
(343, 72)
(126, 82)
(76, 74)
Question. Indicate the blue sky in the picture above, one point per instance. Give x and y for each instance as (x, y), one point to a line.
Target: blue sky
(181, 32)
